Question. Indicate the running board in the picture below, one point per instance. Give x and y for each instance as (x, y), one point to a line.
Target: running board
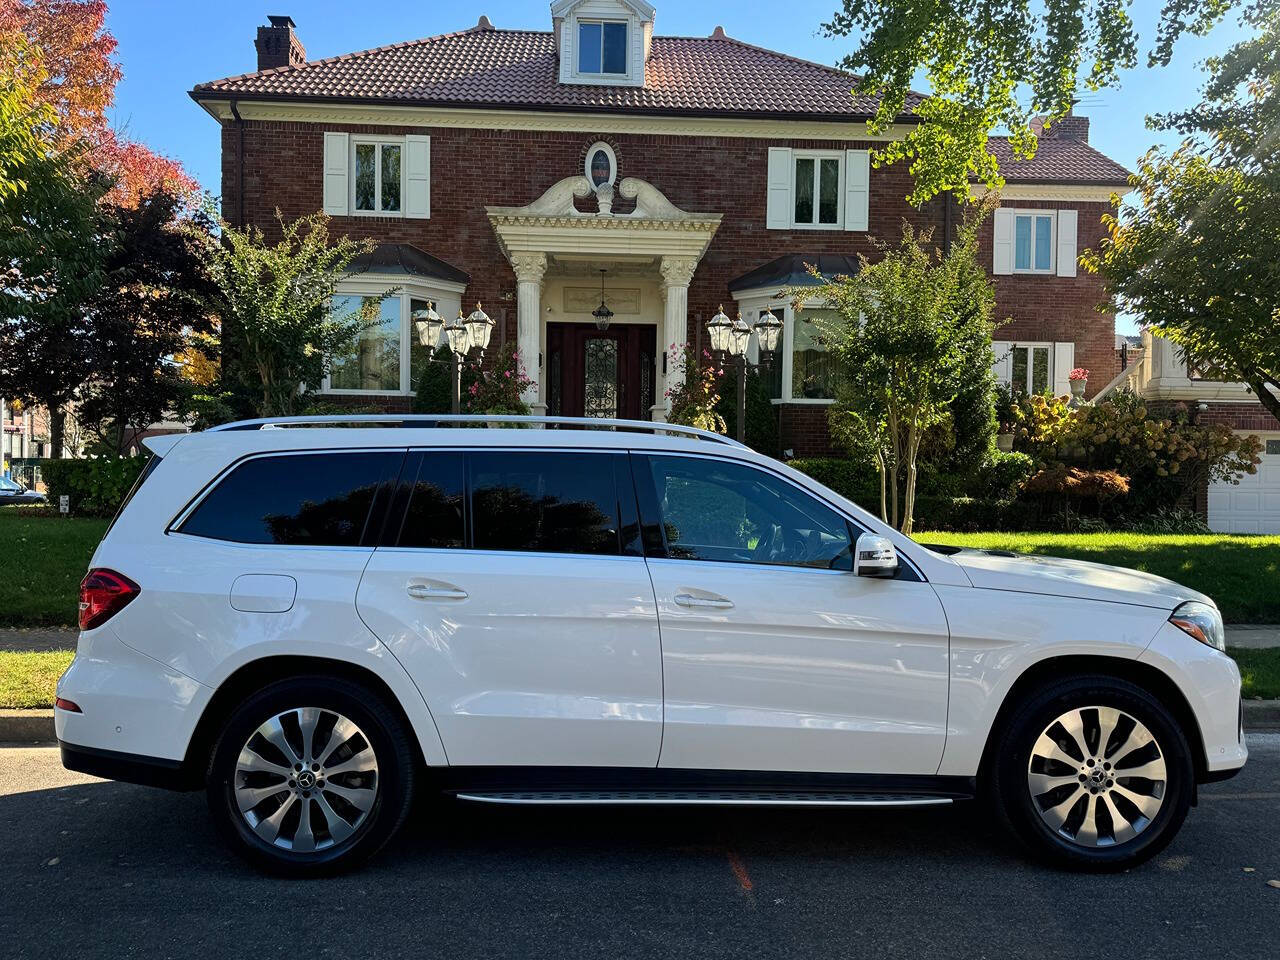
(710, 797)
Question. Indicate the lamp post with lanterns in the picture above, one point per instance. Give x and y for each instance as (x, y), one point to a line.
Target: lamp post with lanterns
(733, 337)
(463, 336)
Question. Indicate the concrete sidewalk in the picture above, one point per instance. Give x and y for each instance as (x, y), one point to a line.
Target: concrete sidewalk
(1250, 636)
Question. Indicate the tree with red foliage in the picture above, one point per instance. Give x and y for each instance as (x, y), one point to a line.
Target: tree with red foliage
(80, 75)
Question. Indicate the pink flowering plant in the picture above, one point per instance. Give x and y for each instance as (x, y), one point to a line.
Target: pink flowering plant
(1079, 373)
(500, 388)
(693, 399)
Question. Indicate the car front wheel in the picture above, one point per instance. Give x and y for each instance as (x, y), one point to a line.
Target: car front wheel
(1093, 773)
(311, 776)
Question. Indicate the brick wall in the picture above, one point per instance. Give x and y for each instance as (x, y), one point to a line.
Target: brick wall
(1053, 308)
(475, 168)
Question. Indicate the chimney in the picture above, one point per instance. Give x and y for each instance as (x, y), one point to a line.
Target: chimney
(279, 46)
(1070, 127)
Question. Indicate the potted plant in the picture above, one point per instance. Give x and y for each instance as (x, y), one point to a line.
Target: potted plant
(1078, 379)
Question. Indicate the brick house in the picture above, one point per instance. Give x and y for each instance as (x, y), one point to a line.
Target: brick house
(525, 169)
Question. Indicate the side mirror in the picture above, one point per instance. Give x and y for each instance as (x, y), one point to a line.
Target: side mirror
(874, 556)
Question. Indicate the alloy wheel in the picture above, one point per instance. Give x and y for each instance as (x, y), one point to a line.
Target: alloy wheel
(306, 779)
(1097, 776)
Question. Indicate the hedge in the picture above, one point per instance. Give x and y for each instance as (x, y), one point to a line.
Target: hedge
(96, 487)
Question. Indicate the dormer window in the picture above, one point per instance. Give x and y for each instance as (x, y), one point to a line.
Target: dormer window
(602, 47)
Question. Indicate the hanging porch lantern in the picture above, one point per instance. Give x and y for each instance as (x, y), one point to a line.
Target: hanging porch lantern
(602, 313)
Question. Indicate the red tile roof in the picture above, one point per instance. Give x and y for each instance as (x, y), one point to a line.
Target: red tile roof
(714, 75)
(706, 76)
(1058, 161)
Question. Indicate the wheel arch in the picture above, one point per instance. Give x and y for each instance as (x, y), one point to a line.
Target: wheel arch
(1135, 671)
(256, 674)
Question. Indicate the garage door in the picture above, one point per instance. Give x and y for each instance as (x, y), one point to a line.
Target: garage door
(1253, 506)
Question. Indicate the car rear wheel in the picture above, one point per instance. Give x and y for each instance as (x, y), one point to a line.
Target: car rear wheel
(1093, 773)
(311, 776)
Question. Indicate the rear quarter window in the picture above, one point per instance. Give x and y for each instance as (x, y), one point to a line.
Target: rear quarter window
(321, 499)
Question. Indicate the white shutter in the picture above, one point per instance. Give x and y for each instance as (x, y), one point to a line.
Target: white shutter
(417, 173)
(336, 160)
(1003, 365)
(778, 203)
(1067, 222)
(1003, 241)
(1064, 359)
(857, 188)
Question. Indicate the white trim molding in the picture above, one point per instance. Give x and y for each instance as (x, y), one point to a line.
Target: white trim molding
(1063, 193)
(526, 120)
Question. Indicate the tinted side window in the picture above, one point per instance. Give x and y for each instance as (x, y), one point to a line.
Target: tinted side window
(548, 502)
(434, 517)
(321, 499)
(727, 512)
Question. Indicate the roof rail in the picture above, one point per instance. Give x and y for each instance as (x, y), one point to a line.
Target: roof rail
(427, 421)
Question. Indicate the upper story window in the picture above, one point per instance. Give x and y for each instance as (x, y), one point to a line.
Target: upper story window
(1033, 242)
(602, 47)
(817, 190)
(378, 171)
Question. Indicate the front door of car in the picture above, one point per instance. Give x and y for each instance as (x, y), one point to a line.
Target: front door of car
(775, 655)
(516, 595)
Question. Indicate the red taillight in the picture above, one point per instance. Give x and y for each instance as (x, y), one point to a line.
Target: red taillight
(68, 705)
(103, 594)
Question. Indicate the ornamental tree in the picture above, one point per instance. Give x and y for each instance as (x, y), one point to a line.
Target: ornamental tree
(914, 332)
(994, 64)
(278, 331)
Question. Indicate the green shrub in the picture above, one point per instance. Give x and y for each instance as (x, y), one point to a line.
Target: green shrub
(851, 479)
(1003, 475)
(96, 487)
(762, 415)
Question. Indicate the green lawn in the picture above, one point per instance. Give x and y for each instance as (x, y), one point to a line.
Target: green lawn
(1241, 573)
(42, 561)
(27, 679)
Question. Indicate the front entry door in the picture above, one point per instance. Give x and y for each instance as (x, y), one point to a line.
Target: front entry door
(600, 373)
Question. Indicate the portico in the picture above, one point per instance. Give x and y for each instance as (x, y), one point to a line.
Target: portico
(557, 251)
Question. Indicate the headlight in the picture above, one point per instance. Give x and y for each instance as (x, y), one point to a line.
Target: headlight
(1202, 621)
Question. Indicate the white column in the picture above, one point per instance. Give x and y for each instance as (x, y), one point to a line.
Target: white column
(529, 268)
(676, 274)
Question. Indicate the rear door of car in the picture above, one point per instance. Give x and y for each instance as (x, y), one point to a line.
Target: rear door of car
(513, 588)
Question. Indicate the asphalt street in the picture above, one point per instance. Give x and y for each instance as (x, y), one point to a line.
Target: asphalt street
(94, 869)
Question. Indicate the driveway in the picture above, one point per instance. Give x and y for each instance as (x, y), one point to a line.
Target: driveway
(95, 869)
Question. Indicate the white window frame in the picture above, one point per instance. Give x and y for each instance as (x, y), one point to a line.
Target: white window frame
(754, 302)
(446, 296)
(817, 156)
(1018, 214)
(379, 143)
(1031, 346)
(577, 47)
(613, 162)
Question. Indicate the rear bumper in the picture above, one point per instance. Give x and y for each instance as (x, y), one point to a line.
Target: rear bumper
(127, 767)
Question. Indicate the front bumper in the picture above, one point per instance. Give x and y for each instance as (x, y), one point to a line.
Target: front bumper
(1210, 682)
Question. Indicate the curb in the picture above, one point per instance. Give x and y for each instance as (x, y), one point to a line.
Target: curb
(26, 726)
(36, 726)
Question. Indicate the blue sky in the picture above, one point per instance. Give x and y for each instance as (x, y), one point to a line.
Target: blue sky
(167, 47)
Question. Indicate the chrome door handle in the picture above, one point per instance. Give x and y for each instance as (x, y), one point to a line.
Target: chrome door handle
(423, 591)
(689, 600)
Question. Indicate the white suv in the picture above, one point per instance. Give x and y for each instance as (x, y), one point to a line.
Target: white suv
(312, 621)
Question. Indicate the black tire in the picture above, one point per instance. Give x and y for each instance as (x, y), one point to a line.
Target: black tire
(1008, 773)
(385, 734)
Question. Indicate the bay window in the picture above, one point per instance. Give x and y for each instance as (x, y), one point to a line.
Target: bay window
(387, 358)
(803, 368)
